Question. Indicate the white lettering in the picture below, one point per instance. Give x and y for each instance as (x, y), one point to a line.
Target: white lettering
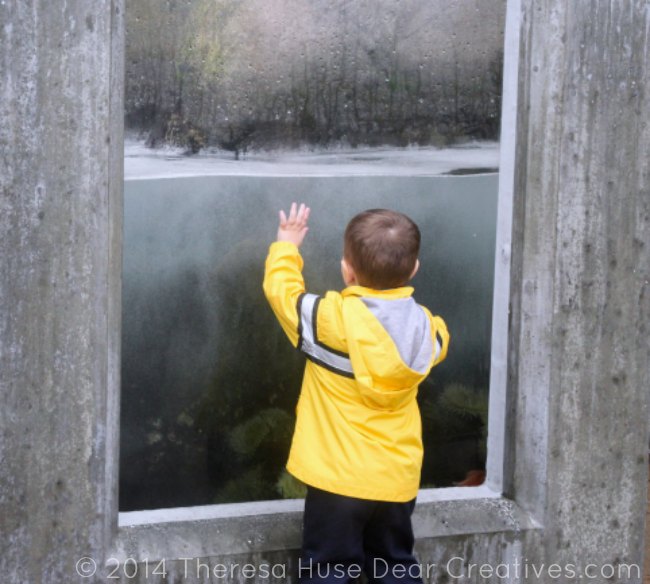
(502, 574)
(415, 571)
(570, 571)
(447, 567)
(555, 569)
(280, 574)
(587, 567)
(538, 573)
(354, 571)
(200, 566)
(628, 569)
(486, 571)
(375, 573)
(611, 573)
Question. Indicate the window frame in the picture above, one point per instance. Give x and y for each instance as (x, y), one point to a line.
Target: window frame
(267, 526)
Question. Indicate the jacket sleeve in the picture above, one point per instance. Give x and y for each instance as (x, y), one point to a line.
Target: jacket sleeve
(283, 286)
(441, 336)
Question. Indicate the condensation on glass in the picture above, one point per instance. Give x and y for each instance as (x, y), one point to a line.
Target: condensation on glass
(340, 103)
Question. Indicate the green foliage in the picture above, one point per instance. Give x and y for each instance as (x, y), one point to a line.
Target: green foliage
(271, 425)
(183, 133)
(465, 401)
(454, 425)
(195, 140)
(248, 486)
(247, 411)
(205, 49)
(290, 487)
(459, 412)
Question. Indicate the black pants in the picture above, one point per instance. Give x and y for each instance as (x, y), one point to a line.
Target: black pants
(343, 536)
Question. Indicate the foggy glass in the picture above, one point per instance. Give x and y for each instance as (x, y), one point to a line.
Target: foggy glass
(209, 382)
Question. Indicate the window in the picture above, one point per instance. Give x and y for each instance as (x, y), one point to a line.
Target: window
(230, 115)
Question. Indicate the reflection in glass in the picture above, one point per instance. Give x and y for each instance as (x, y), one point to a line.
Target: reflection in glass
(242, 74)
(209, 383)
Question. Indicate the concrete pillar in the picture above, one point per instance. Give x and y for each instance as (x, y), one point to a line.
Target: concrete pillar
(61, 80)
(580, 353)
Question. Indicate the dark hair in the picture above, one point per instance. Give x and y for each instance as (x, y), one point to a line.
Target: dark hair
(382, 247)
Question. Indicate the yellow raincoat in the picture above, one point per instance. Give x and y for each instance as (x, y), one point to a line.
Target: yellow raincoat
(358, 430)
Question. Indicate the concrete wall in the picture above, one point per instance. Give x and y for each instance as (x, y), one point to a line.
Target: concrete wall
(569, 433)
(60, 242)
(579, 365)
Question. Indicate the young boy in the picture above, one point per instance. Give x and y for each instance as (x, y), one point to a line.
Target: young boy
(357, 443)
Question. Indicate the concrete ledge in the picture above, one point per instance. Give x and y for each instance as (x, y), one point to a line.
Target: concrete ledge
(468, 510)
(268, 526)
(211, 530)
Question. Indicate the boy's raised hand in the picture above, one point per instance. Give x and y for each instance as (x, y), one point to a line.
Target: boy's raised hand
(294, 228)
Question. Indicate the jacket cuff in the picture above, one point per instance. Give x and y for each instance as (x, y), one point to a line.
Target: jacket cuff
(283, 246)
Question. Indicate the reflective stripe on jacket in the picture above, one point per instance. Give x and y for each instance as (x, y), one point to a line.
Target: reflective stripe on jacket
(358, 430)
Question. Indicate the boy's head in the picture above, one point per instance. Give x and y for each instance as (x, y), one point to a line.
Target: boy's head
(380, 249)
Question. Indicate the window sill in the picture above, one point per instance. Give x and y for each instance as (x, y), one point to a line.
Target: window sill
(267, 526)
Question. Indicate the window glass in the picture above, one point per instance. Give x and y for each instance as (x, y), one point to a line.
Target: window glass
(234, 108)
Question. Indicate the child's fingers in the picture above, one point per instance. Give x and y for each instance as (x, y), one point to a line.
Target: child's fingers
(297, 218)
(303, 214)
(292, 213)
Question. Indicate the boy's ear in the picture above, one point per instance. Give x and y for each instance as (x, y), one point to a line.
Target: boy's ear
(349, 277)
(415, 269)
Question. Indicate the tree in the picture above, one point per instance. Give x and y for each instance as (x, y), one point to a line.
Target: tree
(283, 72)
(155, 32)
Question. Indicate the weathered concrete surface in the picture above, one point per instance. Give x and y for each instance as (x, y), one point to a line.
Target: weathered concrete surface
(60, 202)
(576, 430)
(580, 297)
(458, 531)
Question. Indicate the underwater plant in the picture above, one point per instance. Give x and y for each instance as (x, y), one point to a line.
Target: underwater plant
(272, 425)
(457, 415)
(290, 487)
